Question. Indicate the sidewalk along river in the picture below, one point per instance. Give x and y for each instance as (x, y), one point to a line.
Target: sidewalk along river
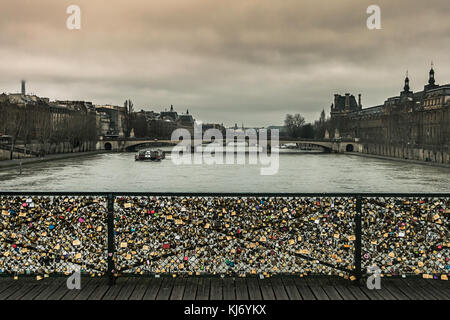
(297, 173)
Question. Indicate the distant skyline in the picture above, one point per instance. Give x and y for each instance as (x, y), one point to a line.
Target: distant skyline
(239, 61)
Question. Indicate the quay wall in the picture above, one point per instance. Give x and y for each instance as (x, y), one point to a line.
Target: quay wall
(34, 149)
(423, 153)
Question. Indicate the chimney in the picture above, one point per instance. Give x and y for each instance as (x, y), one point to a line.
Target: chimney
(347, 101)
(336, 101)
(23, 87)
(359, 101)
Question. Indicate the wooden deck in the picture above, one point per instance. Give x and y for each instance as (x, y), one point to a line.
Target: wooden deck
(202, 288)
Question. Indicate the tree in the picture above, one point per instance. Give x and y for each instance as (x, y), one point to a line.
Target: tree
(320, 126)
(307, 131)
(294, 123)
(16, 121)
(140, 126)
(129, 117)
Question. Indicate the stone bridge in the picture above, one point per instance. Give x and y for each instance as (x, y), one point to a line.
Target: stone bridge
(120, 145)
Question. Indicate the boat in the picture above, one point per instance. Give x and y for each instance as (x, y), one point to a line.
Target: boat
(150, 155)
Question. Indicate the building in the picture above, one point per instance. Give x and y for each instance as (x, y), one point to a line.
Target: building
(412, 125)
(111, 120)
(171, 115)
(41, 126)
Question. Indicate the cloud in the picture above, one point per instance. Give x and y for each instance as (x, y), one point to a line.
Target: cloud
(248, 61)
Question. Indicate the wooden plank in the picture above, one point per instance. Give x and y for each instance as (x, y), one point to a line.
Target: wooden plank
(139, 290)
(424, 291)
(21, 291)
(216, 289)
(58, 293)
(384, 293)
(327, 286)
(341, 287)
(190, 290)
(318, 292)
(87, 290)
(390, 286)
(127, 289)
(72, 294)
(166, 289)
(304, 290)
(442, 287)
(100, 290)
(371, 294)
(241, 289)
(11, 290)
(40, 286)
(178, 289)
(254, 291)
(291, 289)
(314, 285)
(153, 289)
(407, 290)
(357, 292)
(438, 284)
(266, 289)
(52, 286)
(7, 283)
(278, 289)
(228, 289)
(331, 292)
(431, 292)
(203, 288)
(114, 290)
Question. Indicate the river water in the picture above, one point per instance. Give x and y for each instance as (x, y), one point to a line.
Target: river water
(305, 172)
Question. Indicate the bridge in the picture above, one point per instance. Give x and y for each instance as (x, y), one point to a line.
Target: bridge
(274, 257)
(132, 144)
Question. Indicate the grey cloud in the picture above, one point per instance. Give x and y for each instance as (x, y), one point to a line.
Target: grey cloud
(233, 61)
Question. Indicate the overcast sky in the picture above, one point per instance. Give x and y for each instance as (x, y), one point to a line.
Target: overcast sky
(231, 61)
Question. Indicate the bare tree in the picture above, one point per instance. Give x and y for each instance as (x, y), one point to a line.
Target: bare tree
(294, 123)
(129, 117)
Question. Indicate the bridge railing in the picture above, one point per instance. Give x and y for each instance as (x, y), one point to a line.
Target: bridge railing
(224, 234)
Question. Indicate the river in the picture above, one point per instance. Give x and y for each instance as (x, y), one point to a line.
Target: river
(307, 172)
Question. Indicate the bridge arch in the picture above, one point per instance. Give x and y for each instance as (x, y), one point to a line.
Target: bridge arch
(108, 146)
(137, 145)
(349, 148)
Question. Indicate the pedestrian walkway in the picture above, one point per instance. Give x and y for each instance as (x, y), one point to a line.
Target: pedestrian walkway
(228, 288)
(16, 162)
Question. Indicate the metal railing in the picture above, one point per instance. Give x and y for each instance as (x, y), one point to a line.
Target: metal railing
(224, 234)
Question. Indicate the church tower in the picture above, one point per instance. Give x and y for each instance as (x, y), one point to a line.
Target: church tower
(431, 81)
(406, 86)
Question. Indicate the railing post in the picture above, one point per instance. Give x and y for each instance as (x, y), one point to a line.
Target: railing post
(358, 231)
(111, 243)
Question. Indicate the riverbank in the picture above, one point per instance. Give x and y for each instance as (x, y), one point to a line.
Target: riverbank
(15, 163)
(374, 156)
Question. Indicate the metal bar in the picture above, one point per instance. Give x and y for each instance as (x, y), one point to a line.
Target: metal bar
(358, 243)
(218, 194)
(111, 243)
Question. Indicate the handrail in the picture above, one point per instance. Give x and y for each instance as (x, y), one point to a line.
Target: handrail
(225, 194)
